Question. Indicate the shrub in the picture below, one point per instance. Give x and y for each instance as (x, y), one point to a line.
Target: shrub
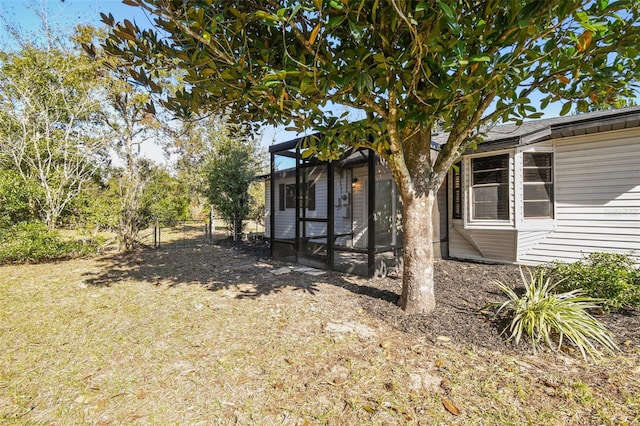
(550, 318)
(608, 276)
(32, 242)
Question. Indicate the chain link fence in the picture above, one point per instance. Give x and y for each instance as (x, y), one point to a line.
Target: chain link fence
(193, 233)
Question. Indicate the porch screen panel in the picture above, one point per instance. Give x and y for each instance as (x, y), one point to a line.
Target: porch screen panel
(344, 196)
(313, 220)
(284, 179)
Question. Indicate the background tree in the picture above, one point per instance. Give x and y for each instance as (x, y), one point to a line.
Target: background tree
(230, 170)
(409, 65)
(48, 114)
(133, 122)
(165, 198)
(16, 198)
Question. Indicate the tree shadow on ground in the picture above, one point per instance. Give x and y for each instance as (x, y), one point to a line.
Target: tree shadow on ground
(243, 267)
(462, 289)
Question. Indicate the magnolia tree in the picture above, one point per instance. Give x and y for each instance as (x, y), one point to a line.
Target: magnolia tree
(409, 65)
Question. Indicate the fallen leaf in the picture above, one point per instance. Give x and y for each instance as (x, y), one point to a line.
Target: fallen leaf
(627, 342)
(549, 384)
(450, 407)
(439, 363)
(445, 384)
(369, 409)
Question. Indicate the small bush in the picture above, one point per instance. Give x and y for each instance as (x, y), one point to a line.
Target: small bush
(550, 318)
(32, 242)
(611, 277)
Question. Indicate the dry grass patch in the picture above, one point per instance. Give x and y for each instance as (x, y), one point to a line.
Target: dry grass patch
(209, 336)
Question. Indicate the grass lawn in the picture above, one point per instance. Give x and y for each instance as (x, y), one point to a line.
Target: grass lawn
(208, 336)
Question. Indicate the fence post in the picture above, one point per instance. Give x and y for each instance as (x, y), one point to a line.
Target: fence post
(211, 226)
(184, 233)
(155, 233)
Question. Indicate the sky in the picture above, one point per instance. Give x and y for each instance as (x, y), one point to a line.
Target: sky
(69, 13)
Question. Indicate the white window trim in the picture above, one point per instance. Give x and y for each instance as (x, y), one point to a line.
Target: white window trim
(470, 223)
(532, 224)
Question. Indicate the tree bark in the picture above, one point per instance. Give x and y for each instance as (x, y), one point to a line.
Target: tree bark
(418, 296)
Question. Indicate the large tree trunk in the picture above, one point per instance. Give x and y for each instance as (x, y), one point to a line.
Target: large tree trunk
(418, 295)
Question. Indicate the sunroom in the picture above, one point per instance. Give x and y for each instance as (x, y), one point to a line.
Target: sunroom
(342, 215)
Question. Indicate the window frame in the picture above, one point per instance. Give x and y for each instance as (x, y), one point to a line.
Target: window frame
(508, 220)
(287, 199)
(517, 220)
(551, 183)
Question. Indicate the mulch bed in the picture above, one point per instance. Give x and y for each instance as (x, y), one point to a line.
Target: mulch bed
(462, 289)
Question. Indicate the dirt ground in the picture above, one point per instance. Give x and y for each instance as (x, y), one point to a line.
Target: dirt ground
(462, 289)
(209, 335)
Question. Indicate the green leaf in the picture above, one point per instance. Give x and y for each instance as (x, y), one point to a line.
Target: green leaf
(480, 58)
(448, 12)
(565, 108)
(336, 4)
(335, 22)
(422, 6)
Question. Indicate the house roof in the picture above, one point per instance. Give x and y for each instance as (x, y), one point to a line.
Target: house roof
(508, 135)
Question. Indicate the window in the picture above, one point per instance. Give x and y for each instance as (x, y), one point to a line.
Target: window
(490, 187)
(537, 184)
(290, 196)
(287, 198)
(457, 191)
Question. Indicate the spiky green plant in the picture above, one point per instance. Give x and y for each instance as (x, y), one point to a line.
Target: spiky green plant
(550, 318)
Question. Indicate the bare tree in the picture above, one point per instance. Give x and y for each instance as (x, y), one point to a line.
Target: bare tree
(48, 123)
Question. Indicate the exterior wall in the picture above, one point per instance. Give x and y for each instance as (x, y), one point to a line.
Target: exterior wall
(596, 207)
(489, 245)
(597, 200)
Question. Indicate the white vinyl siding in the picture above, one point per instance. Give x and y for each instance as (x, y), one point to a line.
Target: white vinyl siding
(483, 244)
(597, 199)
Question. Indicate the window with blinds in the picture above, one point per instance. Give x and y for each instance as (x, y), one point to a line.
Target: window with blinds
(490, 187)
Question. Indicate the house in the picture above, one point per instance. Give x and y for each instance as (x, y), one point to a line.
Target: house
(551, 189)
(548, 189)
